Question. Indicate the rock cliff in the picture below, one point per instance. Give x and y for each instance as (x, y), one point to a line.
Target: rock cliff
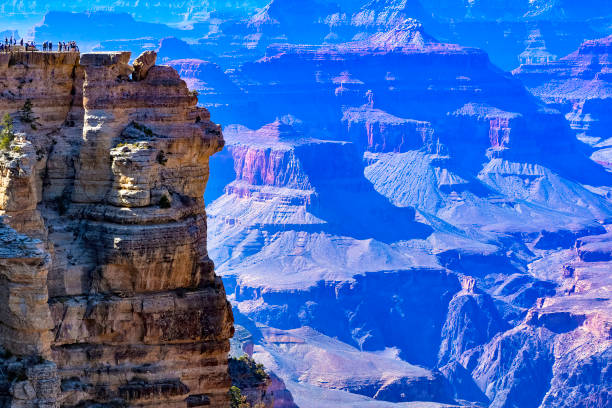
(107, 290)
(579, 85)
(427, 210)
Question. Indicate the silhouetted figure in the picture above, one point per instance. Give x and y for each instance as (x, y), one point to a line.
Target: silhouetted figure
(22, 42)
(50, 46)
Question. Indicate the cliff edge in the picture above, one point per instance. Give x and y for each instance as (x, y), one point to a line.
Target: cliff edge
(107, 291)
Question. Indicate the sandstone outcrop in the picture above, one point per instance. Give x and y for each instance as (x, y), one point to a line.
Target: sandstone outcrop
(117, 300)
(143, 64)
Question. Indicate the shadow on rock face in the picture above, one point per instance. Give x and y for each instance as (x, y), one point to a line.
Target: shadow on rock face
(349, 202)
(558, 322)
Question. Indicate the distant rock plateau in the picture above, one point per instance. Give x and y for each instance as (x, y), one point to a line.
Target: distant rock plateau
(398, 222)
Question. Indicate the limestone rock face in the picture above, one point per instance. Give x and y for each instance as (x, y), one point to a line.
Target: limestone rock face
(25, 320)
(110, 286)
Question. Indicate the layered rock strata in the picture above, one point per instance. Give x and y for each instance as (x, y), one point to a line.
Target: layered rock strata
(423, 211)
(107, 169)
(578, 85)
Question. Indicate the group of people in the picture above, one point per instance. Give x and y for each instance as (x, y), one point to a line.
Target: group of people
(70, 46)
(11, 44)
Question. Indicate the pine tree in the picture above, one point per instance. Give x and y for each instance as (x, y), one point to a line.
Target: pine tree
(6, 132)
(237, 400)
(26, 115)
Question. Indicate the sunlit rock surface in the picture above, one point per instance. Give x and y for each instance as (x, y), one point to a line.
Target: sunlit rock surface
(117, 302)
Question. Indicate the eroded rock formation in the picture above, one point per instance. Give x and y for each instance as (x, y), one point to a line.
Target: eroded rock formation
(476, 290)
(578, 85)
(107, 290)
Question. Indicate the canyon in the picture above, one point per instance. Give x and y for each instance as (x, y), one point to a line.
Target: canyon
(109, 296)
(397, 219)
(230, 33)
(579, 86)
(424, 186)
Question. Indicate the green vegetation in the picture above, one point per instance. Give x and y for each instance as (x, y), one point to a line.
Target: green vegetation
(5, 354)
(164, 202)
(16, 373)
(63, 203)
(257, 370)
(7, 135)
(147, 131)
(26, 115)
(161, 158)
(245, 374)
(237, 400)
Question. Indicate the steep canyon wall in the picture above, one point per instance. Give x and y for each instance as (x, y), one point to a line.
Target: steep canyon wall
(108, 294)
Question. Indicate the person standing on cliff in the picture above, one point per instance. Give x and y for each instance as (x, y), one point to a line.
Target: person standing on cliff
(50, 45)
